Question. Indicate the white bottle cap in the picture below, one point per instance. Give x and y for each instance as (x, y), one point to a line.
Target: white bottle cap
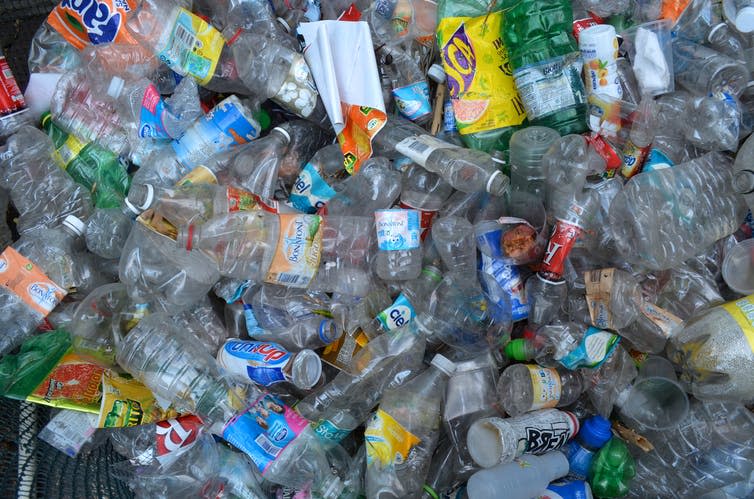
(745, 19)
(443, 364)
(283, 132)
(137, 210)
(436, 73)
(75, 224)
(116, 87)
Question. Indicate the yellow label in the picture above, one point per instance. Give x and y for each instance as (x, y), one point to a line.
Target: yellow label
(742, 312)
(199, 175)
(68, 151)
(478, 73)
(387, 442)
(127, 402)
(193, 47)
(546, 386)
(298, 251)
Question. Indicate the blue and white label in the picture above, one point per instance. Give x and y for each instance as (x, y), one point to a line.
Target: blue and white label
(398, 230)
(656, 160)
(397, 315)
(329, 432)
(595, 347)
(310, 191)
(413, 100)
(489, 243)
(576, 489)
(579, 460)
(509, 279)
(262, 362)
(153, 110)
(448, 117)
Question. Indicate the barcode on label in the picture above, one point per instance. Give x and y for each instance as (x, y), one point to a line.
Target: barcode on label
(264, 443)
(418, 146)
(285, 277)
(182, 44)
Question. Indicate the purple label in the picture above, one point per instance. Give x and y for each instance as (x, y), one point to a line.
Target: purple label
(460, 62)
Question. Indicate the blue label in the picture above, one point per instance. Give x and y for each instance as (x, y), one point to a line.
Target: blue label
(263, 430)
(448, 117)
(101, 24)
(252, 326)
(328, 432)
(397, 229)
(656, 161)
(152, 115)
(397, 315)
(310, 191)
(595, 347)
(576, 489)
(489, 243)
(413, 100)
(509, 279)
(579, 460)
(264, 361)
(223, 128)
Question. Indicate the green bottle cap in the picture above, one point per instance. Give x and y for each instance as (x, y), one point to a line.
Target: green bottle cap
(263, 118)
(516, 349)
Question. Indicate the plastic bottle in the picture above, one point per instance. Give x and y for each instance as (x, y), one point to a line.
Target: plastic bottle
(702, 70)
(409, 86)
(612, 469)
(141, 108)
(570, 489)
(313, 187)
(108, 228)
(594, 433)
(545, 299)
(267, 363)
(402, 434)
(546, 64)
(640, 138)
(740, 13)
(599, 49)
(524, 478)
(257, 165)
(523, 388)
(743, 174)
(527, 147)
(399, 241)
(659, 238)
(727, 41)
(376, 187)
(493, 441)
(423, 191)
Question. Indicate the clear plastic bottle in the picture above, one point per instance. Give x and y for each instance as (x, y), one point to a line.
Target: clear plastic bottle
(527, 147)
(107, 229)
(727, 41)
(423, 191)
(703, 70)
(524, 387)
(640, 137)
(743, 172)
(522, 479)
(314, 186)
(692, 199)
(494, 441)
(453, 238)
(376, 187)
(257, 165)
(399, 256)
(401, 436)
(545, 298)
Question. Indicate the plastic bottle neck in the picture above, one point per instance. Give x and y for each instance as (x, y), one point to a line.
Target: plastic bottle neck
(743, 182)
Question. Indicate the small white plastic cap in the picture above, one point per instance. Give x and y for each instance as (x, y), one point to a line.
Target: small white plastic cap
(116, 87)
(436, 73)
(75, 224)
(745, 19)
(137, 210)
(283, 132)
(443, 364)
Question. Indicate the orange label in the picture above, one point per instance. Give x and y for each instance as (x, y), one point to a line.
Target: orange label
(672, 9)
(298, 251)
(72, 383)
(362, 124)
(27, 281)
(91, 22)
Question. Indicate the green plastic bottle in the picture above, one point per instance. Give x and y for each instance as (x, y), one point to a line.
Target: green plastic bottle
(612, 469)
(546, 63)
(95, 168)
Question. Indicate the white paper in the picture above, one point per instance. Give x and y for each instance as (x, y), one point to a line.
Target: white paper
(651, 69)
(39, 92)
(341, 59)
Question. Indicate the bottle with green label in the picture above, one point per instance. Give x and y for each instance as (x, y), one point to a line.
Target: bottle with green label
(546, 63)
(95, 168)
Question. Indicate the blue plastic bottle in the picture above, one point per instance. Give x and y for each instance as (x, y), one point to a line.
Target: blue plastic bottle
(580, 451)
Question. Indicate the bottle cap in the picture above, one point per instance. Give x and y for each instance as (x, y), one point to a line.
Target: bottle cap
(329, 331)
(436, 73)
(75, 224)
(263, 118)
(144, 203)
(307, 369)
(443, 364)
(745, 19)
(516, 349)
(715, 28)
(115, 87)
(283, 132)
(595, 432)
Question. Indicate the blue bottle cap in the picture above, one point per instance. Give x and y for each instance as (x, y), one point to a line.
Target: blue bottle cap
(595, 432)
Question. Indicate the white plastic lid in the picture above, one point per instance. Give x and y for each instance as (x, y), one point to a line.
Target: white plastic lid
(745, 19)
(137, 210)
(75, 224)
(443, 364)
(116, 87)
(283, 132)
(436, 73)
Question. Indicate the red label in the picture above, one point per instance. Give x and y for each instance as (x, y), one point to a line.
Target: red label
(561, 242)
(426, 218)
(580, 25)
(176, 434)
(352, 13)
(606, 151)
(11, 98)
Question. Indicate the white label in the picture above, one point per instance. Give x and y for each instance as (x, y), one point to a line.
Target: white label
(397, 229)
(419, 147)
(69, 430)
(550, 86)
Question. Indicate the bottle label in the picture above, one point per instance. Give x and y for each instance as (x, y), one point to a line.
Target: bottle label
(175, 436)
(600, 69)
(329, 432)
(68, 151)
(478, 73)
(298, 93)
(27, 281)
(742, 312)
(127, 402)
(413, 100)
(595, 347)
(544, 431)
(388, 443)
(509, 279)
(656, 160)
(448, 118)
(310, 191)
(633, 158)
(546, 386)
(298, 251)
(86, 22)
(599, 285)
(397, 315)
(562, 239)
(11, 98)
(264, 430)
(667, 322)
(69, 430)
(193, 47)
(240, 200)
(199, 175)
(572, 489)
(551, 86)
(397, 230)
(263, 362)
(579, 460)
(419, 147)
(426, 217)
(361, 125)
(152, 114)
